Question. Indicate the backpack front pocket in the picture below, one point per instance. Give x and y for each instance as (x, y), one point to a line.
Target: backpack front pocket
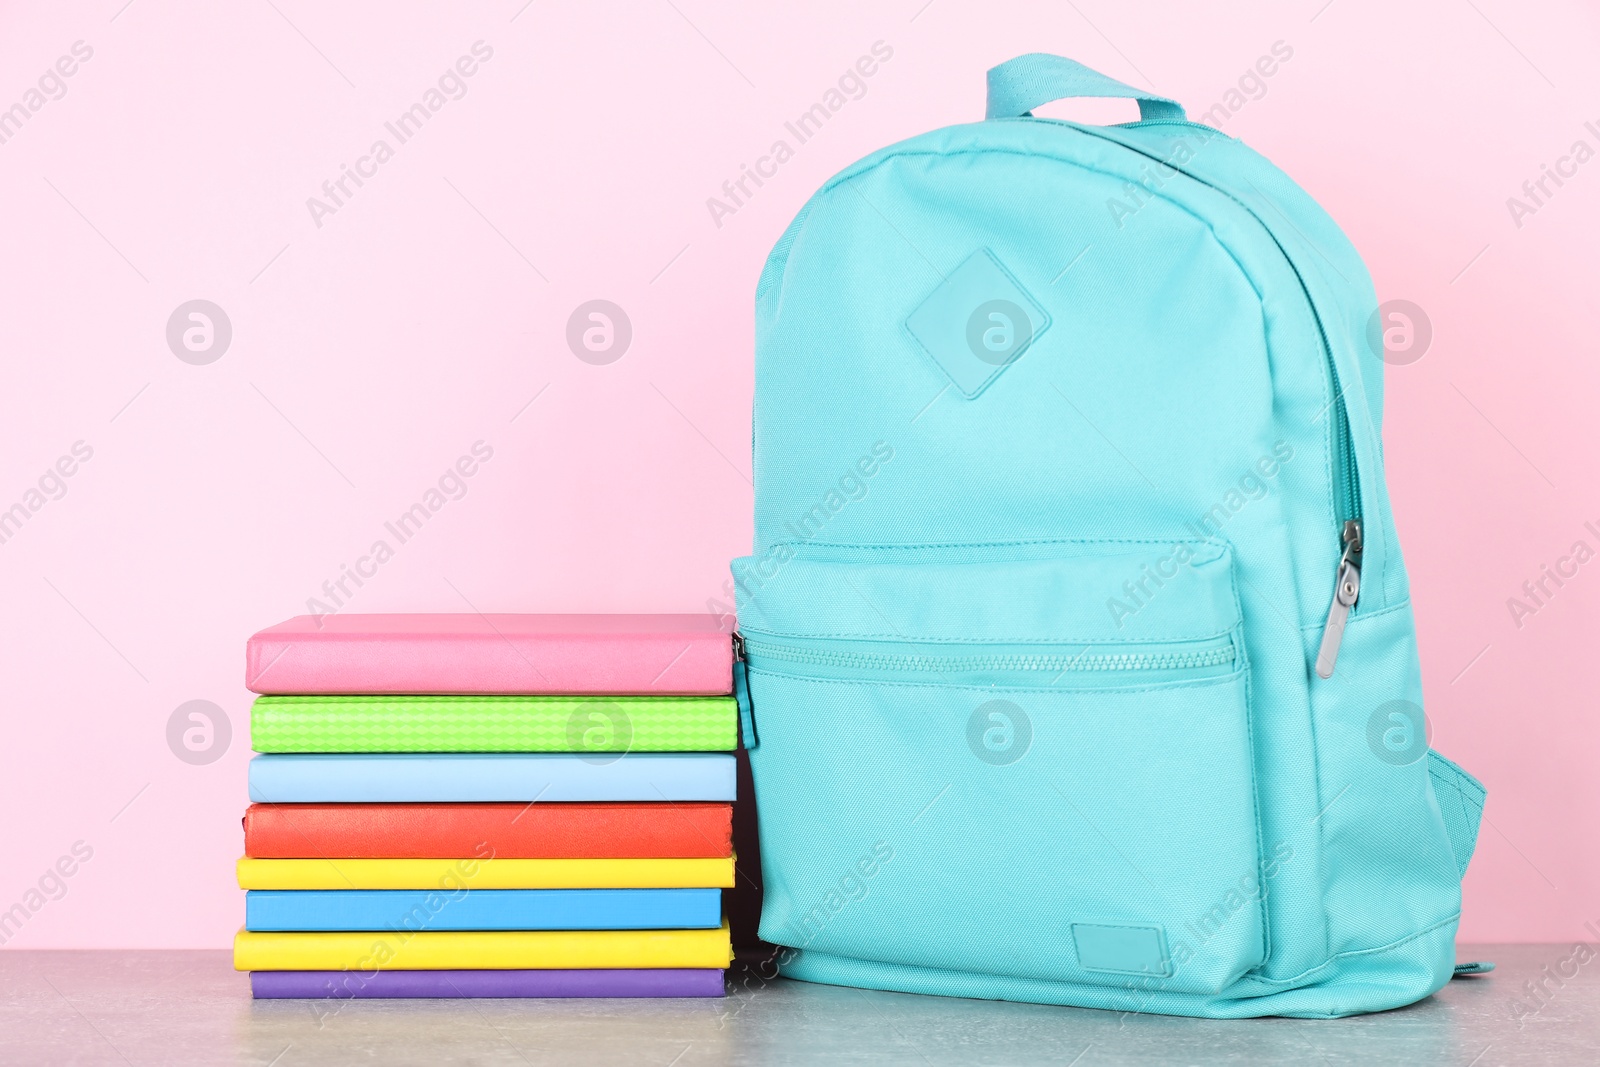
(1023, 760)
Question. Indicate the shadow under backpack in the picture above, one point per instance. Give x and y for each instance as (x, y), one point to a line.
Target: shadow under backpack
(1077, 662)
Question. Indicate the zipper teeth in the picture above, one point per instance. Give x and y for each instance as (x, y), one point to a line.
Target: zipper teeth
(1104, 661)
(1352, 495)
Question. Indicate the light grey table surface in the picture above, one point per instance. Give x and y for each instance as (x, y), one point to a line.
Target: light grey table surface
(109, 1007)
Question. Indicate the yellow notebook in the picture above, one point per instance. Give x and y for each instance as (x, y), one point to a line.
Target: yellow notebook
(452, 875)
(450, 950)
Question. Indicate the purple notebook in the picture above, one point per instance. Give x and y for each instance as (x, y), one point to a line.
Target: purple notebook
(656, 982)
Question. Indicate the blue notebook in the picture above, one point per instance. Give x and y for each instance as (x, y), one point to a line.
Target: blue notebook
(419, 777)
(483, 909)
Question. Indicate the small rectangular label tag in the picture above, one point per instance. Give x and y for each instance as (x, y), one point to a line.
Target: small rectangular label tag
(1122, 949)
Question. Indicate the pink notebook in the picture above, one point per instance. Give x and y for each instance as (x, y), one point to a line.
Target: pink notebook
(611, 654)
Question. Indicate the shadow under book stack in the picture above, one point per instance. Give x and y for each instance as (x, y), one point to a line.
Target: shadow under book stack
(489, 806)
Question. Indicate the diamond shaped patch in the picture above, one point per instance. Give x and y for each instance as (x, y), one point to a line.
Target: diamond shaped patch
(977, 322)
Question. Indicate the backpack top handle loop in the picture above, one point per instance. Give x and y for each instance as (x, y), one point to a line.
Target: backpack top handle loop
(1019, 85)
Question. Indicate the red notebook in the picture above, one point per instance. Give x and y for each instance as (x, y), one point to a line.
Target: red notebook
(512, 831)
(616, 655)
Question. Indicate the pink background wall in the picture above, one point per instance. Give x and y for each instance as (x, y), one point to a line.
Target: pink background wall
(429, 310)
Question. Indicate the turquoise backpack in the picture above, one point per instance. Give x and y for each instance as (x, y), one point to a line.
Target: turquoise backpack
(1077, 662)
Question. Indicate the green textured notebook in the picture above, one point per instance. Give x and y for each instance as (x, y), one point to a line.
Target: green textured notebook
(493, 724)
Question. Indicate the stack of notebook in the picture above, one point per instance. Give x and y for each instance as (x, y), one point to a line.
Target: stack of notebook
(489, 805)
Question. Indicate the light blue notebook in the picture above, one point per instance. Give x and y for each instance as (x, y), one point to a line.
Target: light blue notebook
(414, 777)
(483, 909)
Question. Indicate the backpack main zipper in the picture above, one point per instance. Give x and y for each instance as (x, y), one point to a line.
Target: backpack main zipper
(1347, 578)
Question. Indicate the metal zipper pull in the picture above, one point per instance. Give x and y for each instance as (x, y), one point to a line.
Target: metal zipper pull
(1347, 587)
(741, 694)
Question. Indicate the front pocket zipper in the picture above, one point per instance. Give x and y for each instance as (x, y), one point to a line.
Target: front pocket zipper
(1214, 654)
